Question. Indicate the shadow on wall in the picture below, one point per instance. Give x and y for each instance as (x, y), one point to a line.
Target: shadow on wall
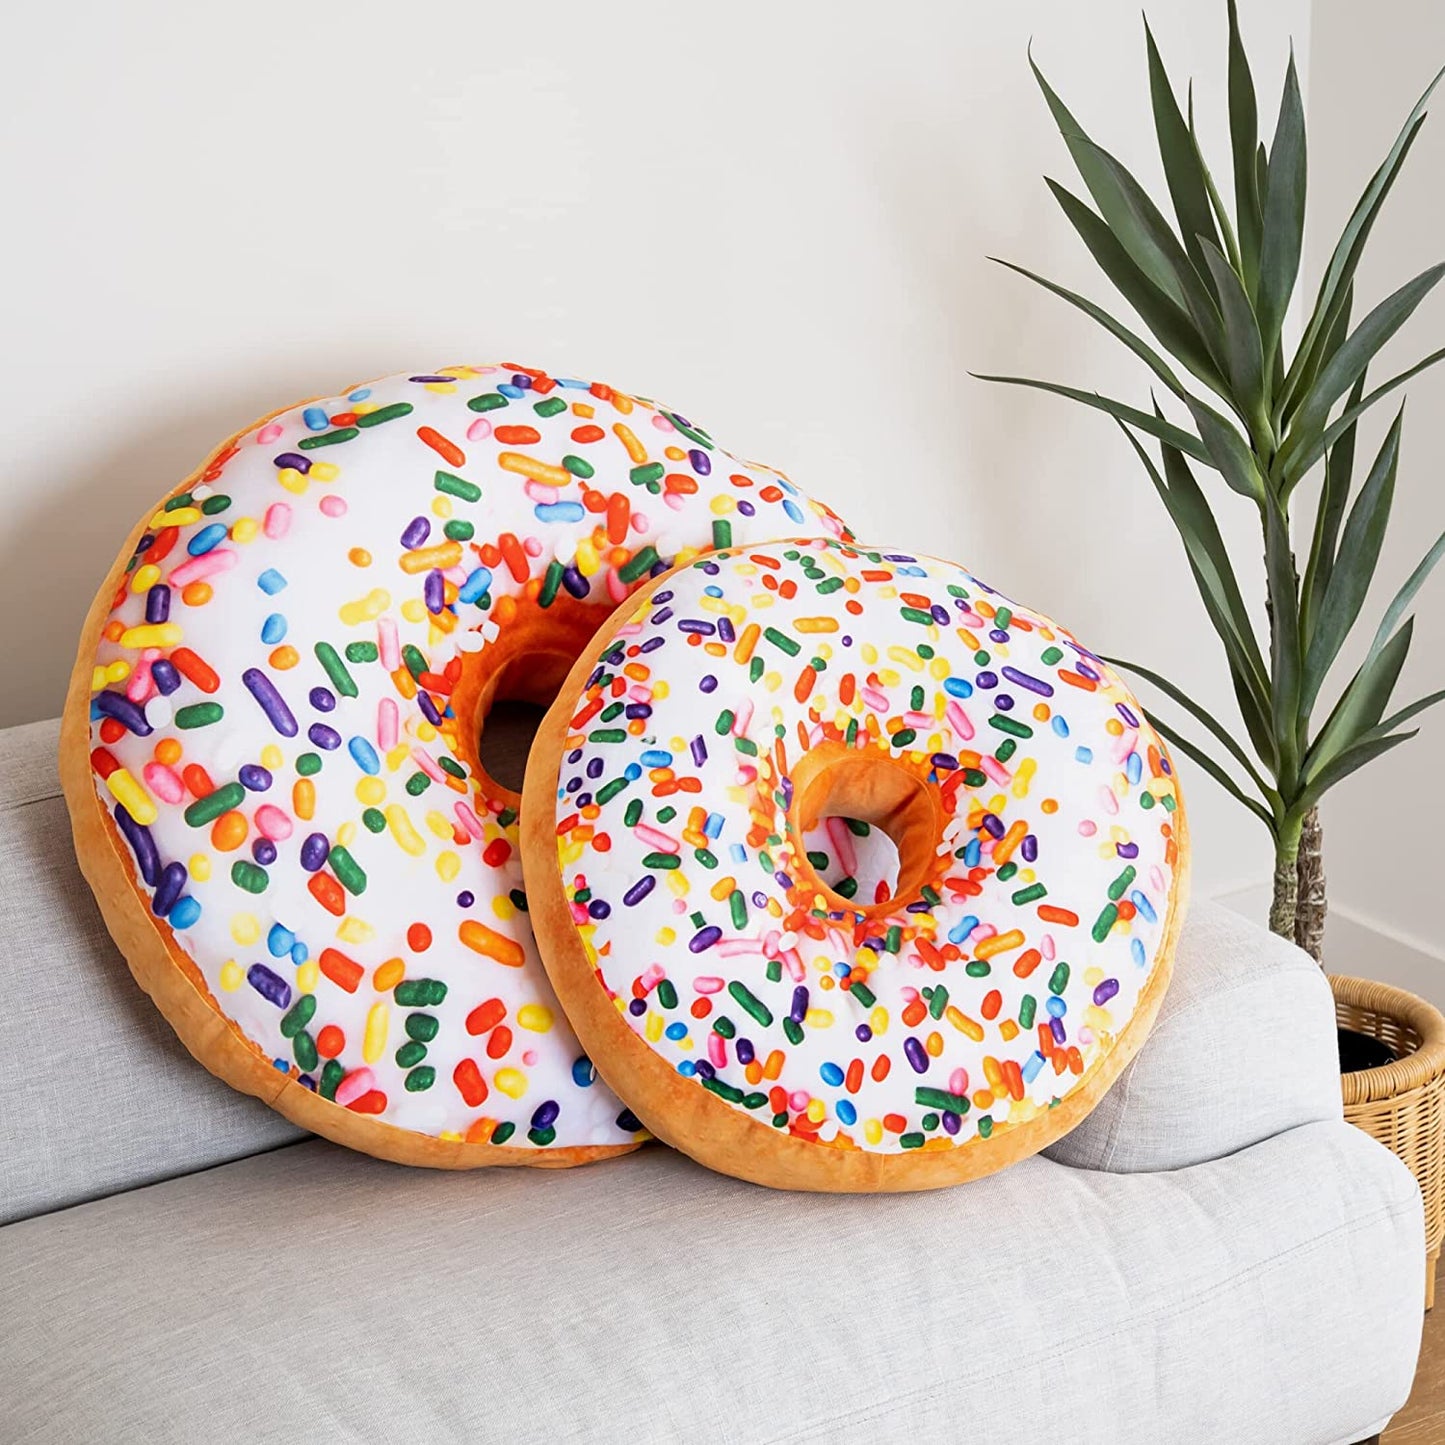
(86, 514)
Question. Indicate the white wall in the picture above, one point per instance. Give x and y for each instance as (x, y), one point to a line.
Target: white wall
(1383, 855)
(774, 215)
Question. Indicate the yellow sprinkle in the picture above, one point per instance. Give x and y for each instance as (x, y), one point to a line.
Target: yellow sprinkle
(307, 976)
(818, 1018)
(245, 929)
(232, 975)
(200, 867)
(503, 907)
(245, 529)
(653, 1028)
(181, 517)
(388, 975)
(666, 937)
(817, 1110)
(965, 1025)
(272, 758)
(303, 798)
(346, 834)
(815, 624)
(132, 797)
(535, 1016)
(878, 1020)
(365, 609)
(370, 791)
(151, 634)
(512, 1082)
(292, 480)
(414, 609)
(402, 830)
(439, 824)
(355, 930)
(873, 1131)
(324, 472)
(145, 578)
(373, 1042)
(448, 865)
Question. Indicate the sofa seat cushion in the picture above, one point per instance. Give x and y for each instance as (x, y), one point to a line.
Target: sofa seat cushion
(311, 1294)
(1243, 1048)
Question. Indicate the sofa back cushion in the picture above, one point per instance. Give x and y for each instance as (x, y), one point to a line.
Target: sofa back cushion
(96, 1093)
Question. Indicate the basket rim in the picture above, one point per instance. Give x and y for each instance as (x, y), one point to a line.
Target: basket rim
(1421, 1067)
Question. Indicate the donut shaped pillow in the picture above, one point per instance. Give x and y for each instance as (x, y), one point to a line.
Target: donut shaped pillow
(881, 888)
(271, 744)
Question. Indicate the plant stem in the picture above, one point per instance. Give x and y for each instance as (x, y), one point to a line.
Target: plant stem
(1282, 906)
(1310, 904)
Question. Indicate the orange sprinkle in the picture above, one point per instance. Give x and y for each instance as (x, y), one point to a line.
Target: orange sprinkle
(491, 944)
(448, 451)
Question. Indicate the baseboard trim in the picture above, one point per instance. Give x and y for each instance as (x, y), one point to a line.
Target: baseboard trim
(1361, 946)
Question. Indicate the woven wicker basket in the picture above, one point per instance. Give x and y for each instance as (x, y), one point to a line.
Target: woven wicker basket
(1401, 1104)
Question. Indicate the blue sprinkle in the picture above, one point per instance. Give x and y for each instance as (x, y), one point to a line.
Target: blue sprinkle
(972, 853)
(279, 941)
(1136, 948)
(273, 629)
(687, 1068)
(1057, 1007)
(270, 582)
(962, 929)
(832, 1074)
(1134, 767)
(206, 539)
(572, 383)
(1060, 727)
(559, 511)
(847, 1114)
(712, 591)
(360, 394)
(794, 511)
(584, 1075)
(507, 389)
(957, 687)
(315, 417)
(1141, 901)
(1032, 1065)
(365, 755)
(184, 912)
(299, 954)
(476, 584)
(738, 853)
(714, 825)
(656, 758)
(632, 772)
(1083, 755)
(676, 1031)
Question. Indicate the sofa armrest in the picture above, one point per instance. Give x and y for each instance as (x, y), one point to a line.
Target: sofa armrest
(1243, 1049)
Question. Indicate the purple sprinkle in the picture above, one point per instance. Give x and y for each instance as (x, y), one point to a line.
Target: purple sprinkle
(165, 676)
(434, 591)
(545, 1115)
(263, 850)
(697, 625)
(322, 699)
(993, 825)
(417, 531)
(745, 1051)
(863, 1033)
(429, 708)
(1029, 848)
(325, 738)
(944, 762)
(916, 1054)
(595, 767)
(158, 603)
(708, 684)
(1056, 1028)
(575, 583)
(725, 630)
(940, 614)
(699, 751)
(746, 508)
(799, 1010)
(986, 680)
(293, 459)
(254, 778)
(1127, 850)
(951, 1122)
(635, 710)
(272, 703)
(701, 462)
(314, 851)
(466, 898)
(705, 1070)
(168, 890)
(704, 938)
(998, 635)
(1106, 991)
(271, 986)
(651, 645)
(639, 890)
(1126, 713)
(637, 1007)
(1034, 684)
(599, 908)
(658, 598)
(147, 858)
(129, 714)
(663, 614)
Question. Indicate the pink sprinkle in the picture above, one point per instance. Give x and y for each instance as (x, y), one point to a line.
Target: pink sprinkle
(675, 500)
(470, 821)
(164, 782)
(1088, 828)
(840, 839)
(1108, 802)
(1047, 946)
(272, 822)
(639, 522)
(277, 521)
(656, 839)
(661, 422)
(539, 492)
(428, 766)
(958, 721)
(530, 1058)
(717, 1051)
(332, 505)
(616, 587)
(793, 962)
(268, 433)
(140, 685)
(354, 1085)
(708, 984)
(532, 546)
(651, 977)
(479, 430)
(799, 1100)
(218, 559)
(995, 770)
(958, 1081)
(386, 724)
(387, 645)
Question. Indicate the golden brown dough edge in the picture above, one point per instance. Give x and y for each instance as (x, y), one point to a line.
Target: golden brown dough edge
(707, 1128)
(175, 984)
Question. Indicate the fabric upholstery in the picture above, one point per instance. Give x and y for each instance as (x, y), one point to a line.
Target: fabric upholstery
(1243, 1048)
(310, 1294)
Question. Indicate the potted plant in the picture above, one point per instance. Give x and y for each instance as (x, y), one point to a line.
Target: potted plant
(1277, 424)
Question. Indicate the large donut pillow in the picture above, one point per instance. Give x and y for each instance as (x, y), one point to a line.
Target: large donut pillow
(758, 1001)
(271, 747)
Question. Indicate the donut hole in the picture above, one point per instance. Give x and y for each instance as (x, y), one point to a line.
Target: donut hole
(836, 791)
(523, 691)
(857, 859)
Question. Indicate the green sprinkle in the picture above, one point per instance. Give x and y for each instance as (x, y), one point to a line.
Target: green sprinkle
(455, 486)
(830, 586)
(793, 1031)
(335, 669)
(410, 1053)
(782, 641)
(459, 531)
(893, 939)
(938, 1002)
(1011, 726)
(912, 1141)
(978, 968)
(551, 581)
(722, 532)
(863, 994)
(503, 1132)
(199, 715)
(1120, 885)
(724, 724)
(578, 466)
(756, 668)
(1030, 894)
(608, 791)
(420, 992)
(633, 816)
(1104, 922)
(373, 820)
(249, 876)
(331, 1076)
(1050, 655)
(985, 1127)
(607, 735)
(730, 1092)
(549, 406)
(738, 905)
(304, 1051)
(751, 1003)
(328, 438)
(421, 1079)
(691, 433)
(422, 1027)
(174, 504)
(941, 1099)
(661, 862)
(640, 564)
(298, 1016)
(361, 652)
(903, 737)
(385, 414)
(724, 1027)
(208, 809)
(218, 502)
(348, 871)
(415, 662)
(308, 764)
(774, 971)
(1059, 978)
(915, 614)
(648, 472)
(1027, 1007)
(488, 401)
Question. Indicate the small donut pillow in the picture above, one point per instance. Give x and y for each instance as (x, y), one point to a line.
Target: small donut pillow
(271, 742)
(728, 760)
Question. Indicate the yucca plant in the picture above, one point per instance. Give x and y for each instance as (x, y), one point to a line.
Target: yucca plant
(1215, 290)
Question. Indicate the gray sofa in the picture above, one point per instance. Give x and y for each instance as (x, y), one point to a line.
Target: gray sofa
(1214, 1256)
